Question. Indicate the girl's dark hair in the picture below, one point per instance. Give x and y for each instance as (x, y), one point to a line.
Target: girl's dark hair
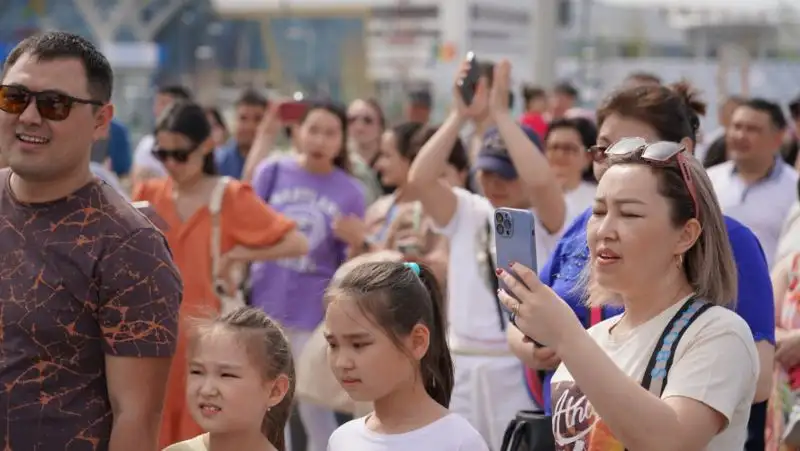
(411, 136)
(342, 159)
(409, 139)
(188, 119)
(398, 299)
(584, 127)
(376, 107)
(673, 111)
(214, 112)
(587, 132)
(533, 92)
(268, 348)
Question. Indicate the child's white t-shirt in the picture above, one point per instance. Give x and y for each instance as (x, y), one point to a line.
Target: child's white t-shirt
(449, 433)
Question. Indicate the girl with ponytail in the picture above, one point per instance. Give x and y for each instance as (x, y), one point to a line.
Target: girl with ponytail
(385, 328)
(241, 383)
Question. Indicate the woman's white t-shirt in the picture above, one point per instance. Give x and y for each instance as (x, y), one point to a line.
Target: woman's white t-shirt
(449, 433)
(579, 199)
(472, 304)
(716, 363)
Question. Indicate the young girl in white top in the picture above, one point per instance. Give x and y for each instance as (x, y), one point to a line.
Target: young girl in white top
(386, 333)
(240, 384)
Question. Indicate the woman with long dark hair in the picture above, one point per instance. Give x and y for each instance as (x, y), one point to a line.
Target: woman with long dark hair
(249, 230)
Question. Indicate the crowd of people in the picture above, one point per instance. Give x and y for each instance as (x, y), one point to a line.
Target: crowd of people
(343, 268)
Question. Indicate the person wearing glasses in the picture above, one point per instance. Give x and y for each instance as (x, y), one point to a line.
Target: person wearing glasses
(249, 230)
(89, 291)
(565, 146)
(657, 247)
(365, 126)
(657, 113)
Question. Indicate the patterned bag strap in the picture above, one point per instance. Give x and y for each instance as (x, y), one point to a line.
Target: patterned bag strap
(655, 374)
(215, 208)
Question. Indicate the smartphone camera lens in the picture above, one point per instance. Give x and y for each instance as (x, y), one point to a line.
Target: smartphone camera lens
(498, 218)
(500, 229)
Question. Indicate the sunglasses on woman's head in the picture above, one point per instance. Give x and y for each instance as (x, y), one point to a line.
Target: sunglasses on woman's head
(658, 153)
(177, 155)
(52, 105)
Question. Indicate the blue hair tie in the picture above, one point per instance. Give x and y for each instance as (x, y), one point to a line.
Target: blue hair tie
(413, 267)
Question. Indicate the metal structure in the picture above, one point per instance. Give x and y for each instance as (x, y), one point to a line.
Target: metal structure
(106, 23)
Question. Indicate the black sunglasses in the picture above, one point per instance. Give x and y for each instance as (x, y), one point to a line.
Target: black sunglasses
(52, 105)
(367, 120)
(177, 155)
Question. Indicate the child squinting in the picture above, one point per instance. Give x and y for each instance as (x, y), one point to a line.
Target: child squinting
(387, 345)
(240, 384)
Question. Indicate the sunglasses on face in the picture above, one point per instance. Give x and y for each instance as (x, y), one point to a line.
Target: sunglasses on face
(660, 153)
(177, 155)
(566, 148)
(52, 105)
(367, 120)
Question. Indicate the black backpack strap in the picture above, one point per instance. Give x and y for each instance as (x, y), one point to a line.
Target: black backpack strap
(655, 375)
(492, 276)
(516, 432)
(273, 178)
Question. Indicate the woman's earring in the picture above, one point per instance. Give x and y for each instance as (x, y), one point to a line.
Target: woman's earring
(680, 261)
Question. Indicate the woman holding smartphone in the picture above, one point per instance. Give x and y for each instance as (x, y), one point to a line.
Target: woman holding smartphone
(677, 370)
(656, 113)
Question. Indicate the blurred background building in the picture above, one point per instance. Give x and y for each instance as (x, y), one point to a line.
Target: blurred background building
(350, 48)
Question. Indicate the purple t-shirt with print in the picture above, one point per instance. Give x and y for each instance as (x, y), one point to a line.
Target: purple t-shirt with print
(290, 290)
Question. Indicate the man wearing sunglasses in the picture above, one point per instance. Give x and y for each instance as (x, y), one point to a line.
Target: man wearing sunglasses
(89, 292)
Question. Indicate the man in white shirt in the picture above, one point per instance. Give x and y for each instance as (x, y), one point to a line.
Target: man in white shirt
(512, 172)
(755, 186)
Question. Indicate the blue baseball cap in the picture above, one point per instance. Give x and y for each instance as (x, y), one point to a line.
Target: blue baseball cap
(493, 156)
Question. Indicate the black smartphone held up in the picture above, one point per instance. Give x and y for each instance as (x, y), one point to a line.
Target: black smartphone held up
(469, 83)
(515, 240)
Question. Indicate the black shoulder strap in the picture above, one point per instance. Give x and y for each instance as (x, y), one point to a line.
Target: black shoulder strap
(655, 375)
(273, 178)
(492, 276)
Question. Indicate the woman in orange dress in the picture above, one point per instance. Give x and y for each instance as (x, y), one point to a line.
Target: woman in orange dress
(250, 231)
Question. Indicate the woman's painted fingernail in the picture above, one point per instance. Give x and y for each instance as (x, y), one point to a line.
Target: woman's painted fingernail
(498, 271)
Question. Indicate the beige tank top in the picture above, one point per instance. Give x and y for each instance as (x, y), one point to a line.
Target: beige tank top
(199, 443)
